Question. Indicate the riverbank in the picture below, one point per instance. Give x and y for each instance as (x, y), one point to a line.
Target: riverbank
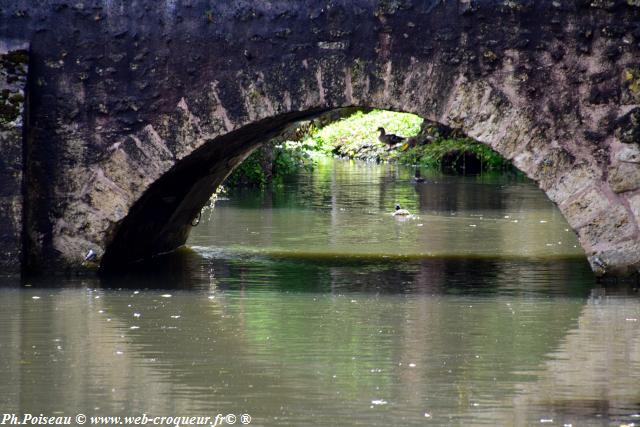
(356, 134)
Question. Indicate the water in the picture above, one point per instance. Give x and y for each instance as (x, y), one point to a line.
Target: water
(311, 305)
(344, 210)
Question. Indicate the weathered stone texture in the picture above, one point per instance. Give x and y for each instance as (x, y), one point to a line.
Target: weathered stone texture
(140, 109)
(13, 78)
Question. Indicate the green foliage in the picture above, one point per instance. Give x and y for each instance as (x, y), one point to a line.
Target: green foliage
(357, 137)
(248, 173)
(290, 157)
(431, 155)
(271, 163)
(347, 136)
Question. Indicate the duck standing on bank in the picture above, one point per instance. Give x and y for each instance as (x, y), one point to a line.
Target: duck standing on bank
(401, 212)
(389, 138)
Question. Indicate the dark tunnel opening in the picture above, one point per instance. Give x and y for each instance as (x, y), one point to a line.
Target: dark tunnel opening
(160, 220)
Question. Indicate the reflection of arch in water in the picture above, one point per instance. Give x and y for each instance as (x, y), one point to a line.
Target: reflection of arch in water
(254, 336)
(591, 374)
(273, 340)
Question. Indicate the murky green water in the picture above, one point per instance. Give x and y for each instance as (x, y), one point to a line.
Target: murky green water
(313, 306)
(343, 210)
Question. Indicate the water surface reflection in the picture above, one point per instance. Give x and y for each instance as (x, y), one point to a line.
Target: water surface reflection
(310, 305)
(506, 354)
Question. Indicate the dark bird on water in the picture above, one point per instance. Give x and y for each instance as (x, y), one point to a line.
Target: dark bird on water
(417, 177)
(389, 138)
(401, 212)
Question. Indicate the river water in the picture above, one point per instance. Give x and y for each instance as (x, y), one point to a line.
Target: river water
(311, 305)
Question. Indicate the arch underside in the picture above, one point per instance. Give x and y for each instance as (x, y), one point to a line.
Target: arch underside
(160, 221)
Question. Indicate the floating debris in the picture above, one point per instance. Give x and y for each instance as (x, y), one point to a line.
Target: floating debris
(379, 402)
(35, 297)
(166, 295)
(91, 255)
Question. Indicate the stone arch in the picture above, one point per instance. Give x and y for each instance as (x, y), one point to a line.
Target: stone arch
(160, 218)
(171, 98)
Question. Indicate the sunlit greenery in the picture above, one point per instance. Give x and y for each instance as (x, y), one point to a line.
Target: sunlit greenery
(433, 154)
(349, 135)
(357, 137)
(271, 164)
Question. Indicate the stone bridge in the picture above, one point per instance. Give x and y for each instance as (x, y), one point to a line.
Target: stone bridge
(133, 111)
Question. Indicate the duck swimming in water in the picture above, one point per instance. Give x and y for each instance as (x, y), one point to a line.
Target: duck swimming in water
(389, 138)
(417, 177)
(401, 212)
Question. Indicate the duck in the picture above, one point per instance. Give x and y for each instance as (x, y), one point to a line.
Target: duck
(389, 138)
(401, 212)
(417, 177)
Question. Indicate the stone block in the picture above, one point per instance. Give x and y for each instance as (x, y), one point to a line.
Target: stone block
(608, 227)
(624, 177)
(629, 154)
(619, 259)
(634, 203)
(581, 210)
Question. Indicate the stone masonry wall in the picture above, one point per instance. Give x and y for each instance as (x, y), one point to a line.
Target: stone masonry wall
(13, 77)
(139, 109)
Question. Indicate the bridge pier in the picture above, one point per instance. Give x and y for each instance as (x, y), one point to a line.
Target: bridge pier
(13, 79)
